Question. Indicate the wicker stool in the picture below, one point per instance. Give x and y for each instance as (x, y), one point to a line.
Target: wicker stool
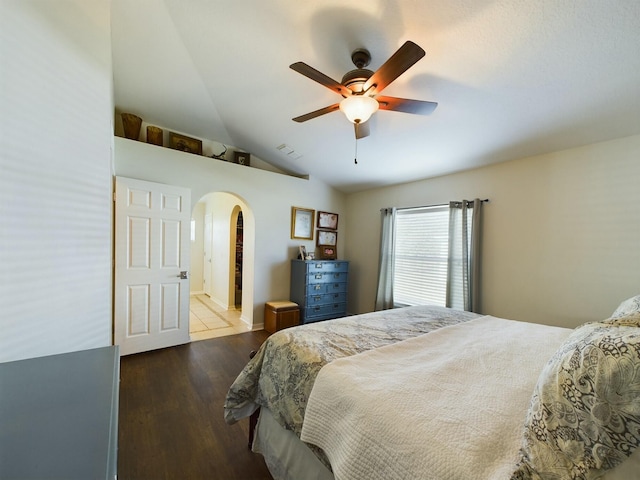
(280, 314)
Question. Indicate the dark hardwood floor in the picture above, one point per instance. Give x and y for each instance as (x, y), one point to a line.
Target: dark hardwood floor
(171, 422)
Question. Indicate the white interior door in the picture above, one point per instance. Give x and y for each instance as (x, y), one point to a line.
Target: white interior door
(152, 229)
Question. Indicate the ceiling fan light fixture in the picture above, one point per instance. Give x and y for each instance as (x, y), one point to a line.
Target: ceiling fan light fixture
(359, 108)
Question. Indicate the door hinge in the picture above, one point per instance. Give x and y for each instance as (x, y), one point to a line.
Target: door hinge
(114, 196)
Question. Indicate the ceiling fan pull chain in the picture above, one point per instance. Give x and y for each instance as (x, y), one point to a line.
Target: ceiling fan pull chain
(355, 158)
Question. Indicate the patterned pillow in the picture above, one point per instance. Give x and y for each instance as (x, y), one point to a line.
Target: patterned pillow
(628, 307)
(584, 416)
(631, 320)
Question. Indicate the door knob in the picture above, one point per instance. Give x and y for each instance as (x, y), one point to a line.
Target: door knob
(183, 275)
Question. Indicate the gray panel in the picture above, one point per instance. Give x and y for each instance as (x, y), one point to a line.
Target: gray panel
(58, 416)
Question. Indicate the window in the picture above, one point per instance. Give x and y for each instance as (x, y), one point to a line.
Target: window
(421, 256)
(431, 255)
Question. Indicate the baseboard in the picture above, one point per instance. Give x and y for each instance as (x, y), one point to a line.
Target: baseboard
(257, 326)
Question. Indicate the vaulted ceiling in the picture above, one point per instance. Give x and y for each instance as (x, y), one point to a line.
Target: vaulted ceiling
(513, 78)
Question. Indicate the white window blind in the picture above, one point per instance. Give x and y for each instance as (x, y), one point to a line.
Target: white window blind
(421, 255)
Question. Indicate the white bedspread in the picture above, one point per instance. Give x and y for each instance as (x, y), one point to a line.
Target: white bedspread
(449, 405)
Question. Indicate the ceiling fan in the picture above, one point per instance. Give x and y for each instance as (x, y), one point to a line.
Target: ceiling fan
(361, 88)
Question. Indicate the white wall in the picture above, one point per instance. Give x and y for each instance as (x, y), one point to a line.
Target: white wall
(561, 232)
(269, 196)
(55, 182)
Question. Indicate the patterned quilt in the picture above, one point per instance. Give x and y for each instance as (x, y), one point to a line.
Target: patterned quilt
(281, 375)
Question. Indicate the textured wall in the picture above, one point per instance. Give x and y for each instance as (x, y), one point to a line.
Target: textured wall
(561, 232)
(55, 187)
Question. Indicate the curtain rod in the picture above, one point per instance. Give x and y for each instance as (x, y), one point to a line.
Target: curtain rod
(486, 200)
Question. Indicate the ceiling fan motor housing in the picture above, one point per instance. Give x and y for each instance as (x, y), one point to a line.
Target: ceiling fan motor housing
(354, 79)
(361, 57)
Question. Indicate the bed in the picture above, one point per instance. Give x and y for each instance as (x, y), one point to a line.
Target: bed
(429, 392)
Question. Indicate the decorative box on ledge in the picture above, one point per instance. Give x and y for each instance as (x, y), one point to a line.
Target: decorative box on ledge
(279, 315)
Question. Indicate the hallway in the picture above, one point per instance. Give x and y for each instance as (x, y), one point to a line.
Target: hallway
(209, 320)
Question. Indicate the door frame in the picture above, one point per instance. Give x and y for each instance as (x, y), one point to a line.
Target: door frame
(223, 296)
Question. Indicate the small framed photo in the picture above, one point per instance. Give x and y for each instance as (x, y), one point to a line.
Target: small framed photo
(327, 220)
(302, 223)
(242, 158)
(327, 238)
(327, 253)
(185, 144)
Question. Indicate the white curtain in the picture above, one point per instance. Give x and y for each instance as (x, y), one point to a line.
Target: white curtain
(384, 294)
(463, 273)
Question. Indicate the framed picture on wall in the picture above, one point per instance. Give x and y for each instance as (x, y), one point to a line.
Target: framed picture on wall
(327, 220)
(327, 253)
(185, 144)
(302, 223)
(242, 158)
(327, 238)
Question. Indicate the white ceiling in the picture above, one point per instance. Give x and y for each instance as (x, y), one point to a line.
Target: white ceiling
(513, 78)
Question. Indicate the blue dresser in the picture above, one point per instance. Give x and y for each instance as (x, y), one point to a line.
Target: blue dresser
(319, 287)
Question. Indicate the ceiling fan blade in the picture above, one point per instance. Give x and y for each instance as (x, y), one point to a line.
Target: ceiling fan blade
(321, 78)
(362, 130)
(418, 107)
(407, 55)
(317, 113)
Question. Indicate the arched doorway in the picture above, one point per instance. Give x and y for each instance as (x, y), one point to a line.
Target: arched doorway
(223, 232)
(237, 226)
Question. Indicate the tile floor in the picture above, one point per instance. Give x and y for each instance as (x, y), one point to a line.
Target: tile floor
(209, 320)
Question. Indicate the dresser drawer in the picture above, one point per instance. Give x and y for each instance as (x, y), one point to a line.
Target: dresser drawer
(327, 277)
(326, 298)
(333, 266)
(336, 287)
(323, 312)
(320, 288)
